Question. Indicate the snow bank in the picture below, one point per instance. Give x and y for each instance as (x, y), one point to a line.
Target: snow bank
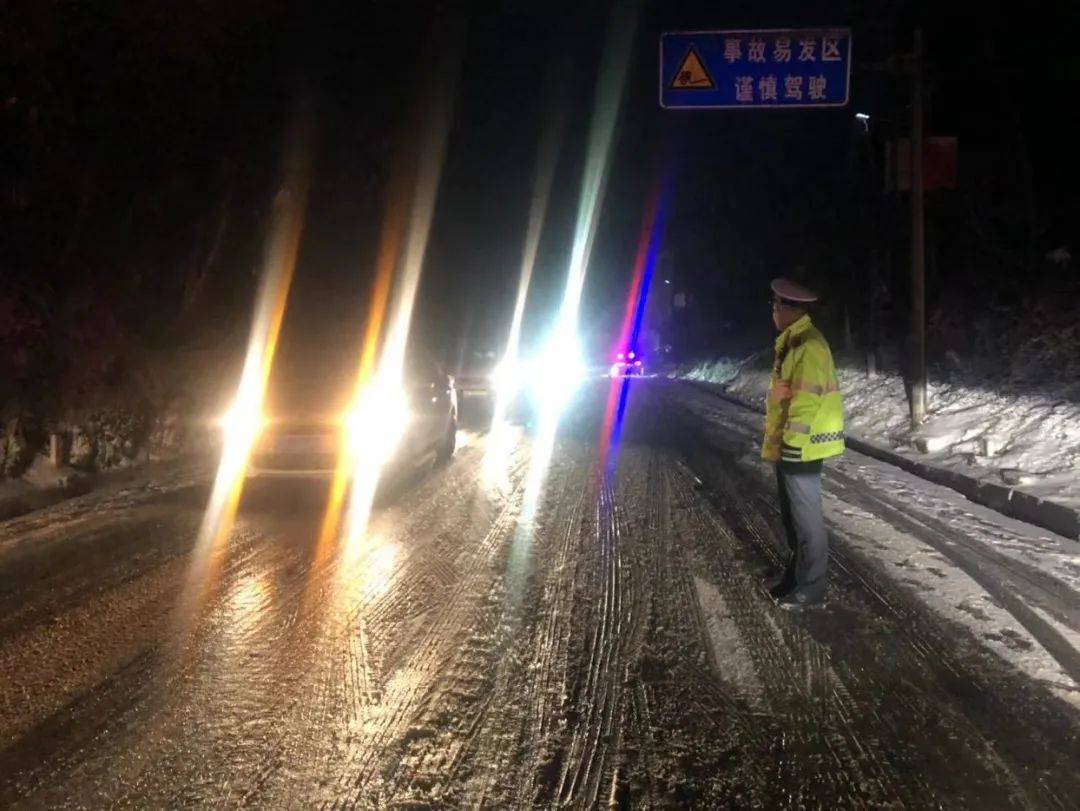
(721, 370)
(1010, 431)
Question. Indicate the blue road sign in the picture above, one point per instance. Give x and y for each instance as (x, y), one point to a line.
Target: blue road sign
(807, 67)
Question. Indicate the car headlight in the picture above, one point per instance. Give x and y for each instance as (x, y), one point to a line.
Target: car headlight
(241, 420)
(506, 379)
(377, 421)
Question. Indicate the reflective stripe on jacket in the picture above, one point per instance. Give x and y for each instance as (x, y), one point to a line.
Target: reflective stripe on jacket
(804, 413)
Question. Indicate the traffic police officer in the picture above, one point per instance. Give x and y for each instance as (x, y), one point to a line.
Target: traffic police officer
(804, 424)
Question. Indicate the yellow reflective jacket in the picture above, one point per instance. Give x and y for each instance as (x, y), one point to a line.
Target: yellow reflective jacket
(804, 413)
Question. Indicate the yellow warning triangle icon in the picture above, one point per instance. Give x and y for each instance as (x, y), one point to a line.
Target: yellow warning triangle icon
(691, 74)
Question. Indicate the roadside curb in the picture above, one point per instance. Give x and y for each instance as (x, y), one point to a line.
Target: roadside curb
(33, 499)
(1006, 500)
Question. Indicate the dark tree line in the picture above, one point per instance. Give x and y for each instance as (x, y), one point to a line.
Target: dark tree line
(807, 197)
(140, 140)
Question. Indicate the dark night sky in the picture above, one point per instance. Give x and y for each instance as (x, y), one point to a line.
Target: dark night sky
(973, 68)
(757, 182)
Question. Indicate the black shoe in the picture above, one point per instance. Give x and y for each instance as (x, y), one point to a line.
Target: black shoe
(779, 591)
(796, 600)
(780, 582)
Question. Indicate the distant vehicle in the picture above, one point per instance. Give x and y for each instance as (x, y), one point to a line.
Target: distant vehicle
(307, 447)
(475, 378)
(627, 363)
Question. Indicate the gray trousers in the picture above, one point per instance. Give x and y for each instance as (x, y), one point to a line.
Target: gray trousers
(799, 486)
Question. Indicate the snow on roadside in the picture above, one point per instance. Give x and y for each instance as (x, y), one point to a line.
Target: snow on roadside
(999, 433)
(919, 568)
(954, 595)
(730, 650)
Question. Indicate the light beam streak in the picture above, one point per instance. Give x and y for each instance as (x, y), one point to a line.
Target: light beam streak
(393, 229)
(508, 373)
(607, 104)
(377, 421)
(563, 342)
(644, 264)
(243, 423)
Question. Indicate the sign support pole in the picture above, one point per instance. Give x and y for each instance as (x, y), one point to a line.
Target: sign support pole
(918, 239)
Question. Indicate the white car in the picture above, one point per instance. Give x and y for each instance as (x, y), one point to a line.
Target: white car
(306, 447)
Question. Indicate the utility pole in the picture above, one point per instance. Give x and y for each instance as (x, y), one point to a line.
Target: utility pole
(918, 239)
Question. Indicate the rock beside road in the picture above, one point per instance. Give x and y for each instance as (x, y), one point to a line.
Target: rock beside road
(18, 447)
(96, 441)
(81, 453)
(167, 437)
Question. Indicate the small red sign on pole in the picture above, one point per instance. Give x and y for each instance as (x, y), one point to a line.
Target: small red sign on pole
(939, 163)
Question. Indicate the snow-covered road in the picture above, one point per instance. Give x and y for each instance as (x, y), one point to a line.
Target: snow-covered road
(610, 644)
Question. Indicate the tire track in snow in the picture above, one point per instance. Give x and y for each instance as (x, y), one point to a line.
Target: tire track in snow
(799, 684)
(415, 682)
(499, 766)
(139, 755)
(924, 693)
